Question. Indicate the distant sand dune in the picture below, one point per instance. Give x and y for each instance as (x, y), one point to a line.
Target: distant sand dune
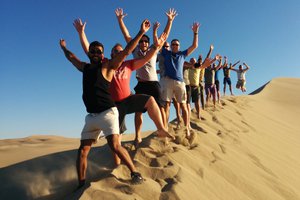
(247, 148)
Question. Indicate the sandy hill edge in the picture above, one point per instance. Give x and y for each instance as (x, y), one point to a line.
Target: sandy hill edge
(246, 148)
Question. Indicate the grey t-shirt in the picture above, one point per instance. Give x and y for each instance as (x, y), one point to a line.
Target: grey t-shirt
(148, 71)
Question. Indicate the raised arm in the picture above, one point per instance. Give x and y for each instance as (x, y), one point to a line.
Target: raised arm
(117, 61)
(208, 61)
(70, 56)
(171, 14)
(79, 26)
(155, 27)
(120, 15)
(225, 62)
(220, 63)
(247, 67)
(211, 48)
(195, 29)
(235, 64)
(138, 63)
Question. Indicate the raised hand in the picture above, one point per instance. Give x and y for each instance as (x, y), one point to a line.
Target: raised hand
(212, 47)
(79, 26)
(218, 57)
(119, 13)
(156, 26)
(195, 27)
(161, 40)
(171, 14)
(145, 25)
(62, 43)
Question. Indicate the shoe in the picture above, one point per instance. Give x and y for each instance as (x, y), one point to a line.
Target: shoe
(136, 178)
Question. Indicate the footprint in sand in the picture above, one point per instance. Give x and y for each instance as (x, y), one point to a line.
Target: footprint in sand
(125, 189)
(170, 182)
(223, 149)
(201, 172)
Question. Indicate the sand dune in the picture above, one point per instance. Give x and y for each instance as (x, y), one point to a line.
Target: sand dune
(246, 148)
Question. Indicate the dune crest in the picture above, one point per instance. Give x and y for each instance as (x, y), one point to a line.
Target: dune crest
(246, 148)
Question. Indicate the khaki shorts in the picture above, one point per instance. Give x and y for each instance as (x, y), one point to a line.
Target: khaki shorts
(173, 88)
(101, 124)
(240, 84)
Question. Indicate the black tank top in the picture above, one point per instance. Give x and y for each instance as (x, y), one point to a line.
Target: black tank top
(96, 95)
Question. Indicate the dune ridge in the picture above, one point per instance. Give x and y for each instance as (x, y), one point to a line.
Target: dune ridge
(246, 148)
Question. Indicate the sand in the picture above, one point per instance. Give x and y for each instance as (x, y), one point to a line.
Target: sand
(247, 148)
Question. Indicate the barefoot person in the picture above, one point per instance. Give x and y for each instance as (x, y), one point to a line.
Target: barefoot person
(241, 76)
(146, 75)
(174, 85)
(103, 114)
(120, 86)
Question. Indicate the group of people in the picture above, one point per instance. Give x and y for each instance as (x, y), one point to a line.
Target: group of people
(106, 86)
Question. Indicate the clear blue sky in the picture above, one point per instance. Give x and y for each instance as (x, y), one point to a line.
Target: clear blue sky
(41, 91)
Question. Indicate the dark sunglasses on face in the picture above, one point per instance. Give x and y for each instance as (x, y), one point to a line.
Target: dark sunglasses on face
(96, 51)
(116, 51)
(141, 41)
(174, 44)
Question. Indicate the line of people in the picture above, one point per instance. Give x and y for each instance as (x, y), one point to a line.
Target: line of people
(106, 86)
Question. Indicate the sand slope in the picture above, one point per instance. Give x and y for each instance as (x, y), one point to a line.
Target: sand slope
(247, 148)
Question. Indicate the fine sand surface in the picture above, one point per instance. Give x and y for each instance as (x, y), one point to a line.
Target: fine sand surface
(248, 148)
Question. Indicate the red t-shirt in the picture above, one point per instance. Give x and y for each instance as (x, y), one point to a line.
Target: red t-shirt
(120, 84)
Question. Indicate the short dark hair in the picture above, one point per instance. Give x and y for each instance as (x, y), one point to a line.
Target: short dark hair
(174, 40)
(96, 44)
(146, 37)
(116, 45)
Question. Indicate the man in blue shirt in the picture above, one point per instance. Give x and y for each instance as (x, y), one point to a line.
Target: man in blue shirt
(174, 85)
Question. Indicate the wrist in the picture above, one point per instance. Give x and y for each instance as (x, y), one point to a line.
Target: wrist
(154, 47)
(195, 33)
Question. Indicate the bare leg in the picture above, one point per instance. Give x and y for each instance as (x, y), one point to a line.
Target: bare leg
(197, 106)
(138, 119)
(188, 107)
(167, 110)
(230, 88)
(81, 162)
(155, 115)
(115, 146)
(163, 116)
(116, 157)
(202, 96)
(178, 115)
(186, 118)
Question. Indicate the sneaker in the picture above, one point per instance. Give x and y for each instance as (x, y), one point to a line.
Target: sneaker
(136, 178)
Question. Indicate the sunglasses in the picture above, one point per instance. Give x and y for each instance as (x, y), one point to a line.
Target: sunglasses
(96, 51)
(175, 44)
(141, 41)
(116, 51)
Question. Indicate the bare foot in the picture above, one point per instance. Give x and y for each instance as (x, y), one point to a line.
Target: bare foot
(188, 133)
(163, 133)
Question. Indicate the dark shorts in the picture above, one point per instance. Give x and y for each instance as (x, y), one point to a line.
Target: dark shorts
(151, 88)
(195, 93)
(227, 80)
(210, 89)
(217, 83)
(188, 93)
(133, 103)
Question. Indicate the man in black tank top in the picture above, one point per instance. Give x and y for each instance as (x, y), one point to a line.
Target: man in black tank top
(103, 114)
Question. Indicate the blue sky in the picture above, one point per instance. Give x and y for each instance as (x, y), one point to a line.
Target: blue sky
(41, 91)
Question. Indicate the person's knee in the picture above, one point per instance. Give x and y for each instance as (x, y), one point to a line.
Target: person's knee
(151, 102)
(83, 151)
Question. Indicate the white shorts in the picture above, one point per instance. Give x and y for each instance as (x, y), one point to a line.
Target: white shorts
(173, 88)
(105, 123)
